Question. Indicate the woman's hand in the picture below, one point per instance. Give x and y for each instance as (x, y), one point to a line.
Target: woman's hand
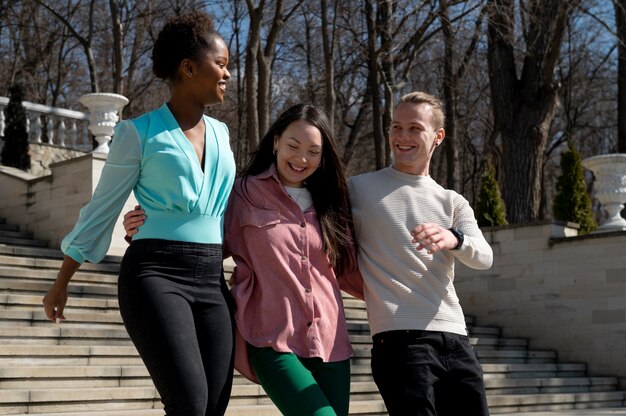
(132, 221)
(54, 301)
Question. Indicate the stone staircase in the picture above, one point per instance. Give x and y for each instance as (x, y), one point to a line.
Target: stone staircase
(88, 366)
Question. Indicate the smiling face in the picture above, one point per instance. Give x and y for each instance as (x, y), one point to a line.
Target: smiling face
(210, 74)
(298, 152)
(413, 137)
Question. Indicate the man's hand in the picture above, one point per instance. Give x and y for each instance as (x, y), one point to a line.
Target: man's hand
(433, 238)
(132, 221)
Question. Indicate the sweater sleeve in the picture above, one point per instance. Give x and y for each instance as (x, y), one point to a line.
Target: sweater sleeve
(91, 237)
(475, 252)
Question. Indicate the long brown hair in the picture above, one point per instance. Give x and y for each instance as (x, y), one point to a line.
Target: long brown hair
(327, 184)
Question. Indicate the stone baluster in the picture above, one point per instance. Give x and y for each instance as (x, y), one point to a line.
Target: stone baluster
(37, 127)
(61, 133)
(50, 130)
(2, 122)
(73, 133)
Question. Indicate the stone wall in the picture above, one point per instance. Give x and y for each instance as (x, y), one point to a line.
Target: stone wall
(42, 155)
(563, 293)
(48, 206)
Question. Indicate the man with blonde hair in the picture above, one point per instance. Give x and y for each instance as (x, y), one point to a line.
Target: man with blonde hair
(410, 231)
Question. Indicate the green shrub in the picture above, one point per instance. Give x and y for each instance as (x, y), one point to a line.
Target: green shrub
(490, 209)
(15, 150)
(572, 202)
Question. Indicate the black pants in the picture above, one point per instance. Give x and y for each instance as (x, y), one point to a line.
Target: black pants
(179, 314)
(427, 373)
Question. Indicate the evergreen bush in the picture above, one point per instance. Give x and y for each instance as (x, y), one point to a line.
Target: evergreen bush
(572, 201)
(15, 150)
(490, 210)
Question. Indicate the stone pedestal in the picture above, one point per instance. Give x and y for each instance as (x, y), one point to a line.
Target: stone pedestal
(610, 187)
(103, 115)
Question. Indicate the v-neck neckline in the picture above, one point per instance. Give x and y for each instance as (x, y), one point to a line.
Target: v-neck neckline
(185, 144)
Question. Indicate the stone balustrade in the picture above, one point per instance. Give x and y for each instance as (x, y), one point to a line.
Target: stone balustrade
(53, 125)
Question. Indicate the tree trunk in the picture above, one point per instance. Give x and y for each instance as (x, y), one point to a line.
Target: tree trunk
(118, 47)
(328, 46)
(620, 18)
(450, 94)
(374, 84)
(254, 39)
(386, 43)
(524, 108)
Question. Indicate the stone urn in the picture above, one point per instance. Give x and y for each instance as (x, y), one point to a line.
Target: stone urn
(609, 187)
(103, 116)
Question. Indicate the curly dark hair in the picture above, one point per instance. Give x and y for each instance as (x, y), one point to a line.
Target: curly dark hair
(327, 184)
(186, 36)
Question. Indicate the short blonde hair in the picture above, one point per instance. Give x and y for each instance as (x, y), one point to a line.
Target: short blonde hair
(419, 97)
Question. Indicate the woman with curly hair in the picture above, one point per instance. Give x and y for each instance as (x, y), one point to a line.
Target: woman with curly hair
(172, 294)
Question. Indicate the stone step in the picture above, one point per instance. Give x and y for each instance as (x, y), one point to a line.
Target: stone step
(242, 394)
(515, 356)
(8, 227)
(478, 331)
(61, 334)
(55, 264)
(18, 241)
(77, 399)
(16, 317)
(65, 334)
(589, 411)
(15, 233)
(16, 301)
(12, 355)
(30, 287)
(543, 370)
(139, 412)
(544, 402)
(42, 252)
(86, 348)
(48, 275)
(369, 408)
(549, 385)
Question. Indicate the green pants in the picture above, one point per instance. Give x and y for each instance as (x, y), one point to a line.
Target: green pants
(302, 386)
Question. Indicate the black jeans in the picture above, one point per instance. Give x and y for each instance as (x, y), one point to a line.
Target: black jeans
(427, 373)
(179, 314)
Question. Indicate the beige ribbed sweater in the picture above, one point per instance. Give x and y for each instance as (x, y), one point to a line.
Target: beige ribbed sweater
(404, 288)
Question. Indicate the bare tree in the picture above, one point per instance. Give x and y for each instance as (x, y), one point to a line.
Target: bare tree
(451, 78)
(524, 105)
(115, 7)
(86, 41)
(620, 18)
(374, 82)
(328, 45)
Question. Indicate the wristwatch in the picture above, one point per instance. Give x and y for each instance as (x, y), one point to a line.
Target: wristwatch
(460, 236)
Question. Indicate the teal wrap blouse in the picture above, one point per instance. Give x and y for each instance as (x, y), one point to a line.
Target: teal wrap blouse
(151, 156)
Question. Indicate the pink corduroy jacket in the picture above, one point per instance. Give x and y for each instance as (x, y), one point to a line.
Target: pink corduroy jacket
(287, 294)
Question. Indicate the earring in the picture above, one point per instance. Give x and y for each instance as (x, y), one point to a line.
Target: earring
(274, 151)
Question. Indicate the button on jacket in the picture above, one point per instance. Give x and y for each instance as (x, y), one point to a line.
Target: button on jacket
(287, 295)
